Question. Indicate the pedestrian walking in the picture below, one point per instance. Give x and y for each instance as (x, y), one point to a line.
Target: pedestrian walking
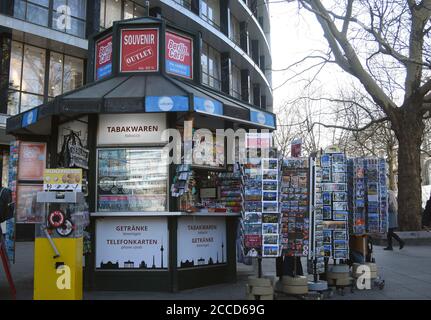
(426, 216)
(393, 222)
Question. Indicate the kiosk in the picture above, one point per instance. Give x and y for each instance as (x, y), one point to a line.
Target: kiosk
(143, 78)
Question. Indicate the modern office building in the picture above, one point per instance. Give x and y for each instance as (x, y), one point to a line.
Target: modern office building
(44, 54)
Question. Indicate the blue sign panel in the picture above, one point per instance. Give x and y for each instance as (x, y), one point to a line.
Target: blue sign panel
(166, 104)
(104, 71)
(29, 118)
(208, 106)
(263, 118)
(178, 68)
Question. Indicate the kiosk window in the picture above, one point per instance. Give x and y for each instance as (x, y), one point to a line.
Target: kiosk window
(132, 179)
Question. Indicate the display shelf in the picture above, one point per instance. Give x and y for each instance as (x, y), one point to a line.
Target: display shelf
(164, 213)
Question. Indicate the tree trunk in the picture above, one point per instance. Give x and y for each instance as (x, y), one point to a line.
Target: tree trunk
(409, 133)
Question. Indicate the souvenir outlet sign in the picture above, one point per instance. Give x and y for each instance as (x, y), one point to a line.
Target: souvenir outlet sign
(139, 50)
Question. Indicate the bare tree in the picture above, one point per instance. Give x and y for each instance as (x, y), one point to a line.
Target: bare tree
(385, 44)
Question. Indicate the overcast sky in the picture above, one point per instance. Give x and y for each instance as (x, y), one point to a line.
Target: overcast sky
(293, 37)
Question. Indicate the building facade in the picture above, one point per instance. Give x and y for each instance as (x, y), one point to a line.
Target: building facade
(44, 48)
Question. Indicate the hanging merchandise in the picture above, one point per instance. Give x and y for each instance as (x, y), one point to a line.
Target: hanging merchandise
(295, 206)
(73, 153)
(335, 210)
(368, 195)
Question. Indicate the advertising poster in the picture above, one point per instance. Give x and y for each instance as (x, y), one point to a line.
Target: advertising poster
(27, 209)
(179, 55)
(132, 243)
(201, 242)
(62, 180)
(32, 161)
(139, 50)
(104, 57)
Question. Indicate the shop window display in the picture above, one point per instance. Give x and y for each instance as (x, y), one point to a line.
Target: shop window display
(132, 179)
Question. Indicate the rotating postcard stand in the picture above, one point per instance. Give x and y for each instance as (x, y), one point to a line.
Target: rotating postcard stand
(59, 238)
(260, 226)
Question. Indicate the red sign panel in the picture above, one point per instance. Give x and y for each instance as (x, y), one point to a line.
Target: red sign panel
(104, 57)
(139, 50)
(179, 55)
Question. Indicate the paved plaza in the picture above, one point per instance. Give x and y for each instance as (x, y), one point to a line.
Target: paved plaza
(407, 274)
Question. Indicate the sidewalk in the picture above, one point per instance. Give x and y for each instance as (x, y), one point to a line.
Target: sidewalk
(407, 274)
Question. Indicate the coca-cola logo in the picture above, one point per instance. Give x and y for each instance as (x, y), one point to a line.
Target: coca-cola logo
(105, 53)
(177, 50)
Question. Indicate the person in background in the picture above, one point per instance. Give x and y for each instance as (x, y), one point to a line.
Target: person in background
(426, 216)
(393, 221)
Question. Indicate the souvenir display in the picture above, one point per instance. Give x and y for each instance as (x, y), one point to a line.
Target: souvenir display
(230, 191)
(368, 195)
(295, 206)
(252, 207)
(261, 218)
(316, 263)
(335, 206)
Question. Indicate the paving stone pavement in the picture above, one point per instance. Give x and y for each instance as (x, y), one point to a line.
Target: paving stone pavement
(407, 274)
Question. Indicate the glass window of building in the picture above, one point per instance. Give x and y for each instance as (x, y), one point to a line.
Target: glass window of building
(69, 16)
(66, 73)
(110, 11)
(35, 11)
(234, 32)
(210, 12)
(210, 63)
(27, 76)
(235, 82)
(132, 10)
(185, 3)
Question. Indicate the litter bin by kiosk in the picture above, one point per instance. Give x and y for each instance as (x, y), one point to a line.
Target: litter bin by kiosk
(59, 245)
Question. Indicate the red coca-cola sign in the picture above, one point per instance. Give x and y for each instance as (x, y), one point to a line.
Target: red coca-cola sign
(139, 50)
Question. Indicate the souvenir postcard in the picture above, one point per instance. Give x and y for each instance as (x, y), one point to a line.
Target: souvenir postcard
(270, 207)
(326, 174)
(340, 235)
(340, 244)
(270, 218)
(340, 215)
(327, 236)
(340, 196)
(338, 206)
(341, 254)
(270, 239)
(270, 251)
(327, 212)
(270, 228)
(325, 160)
